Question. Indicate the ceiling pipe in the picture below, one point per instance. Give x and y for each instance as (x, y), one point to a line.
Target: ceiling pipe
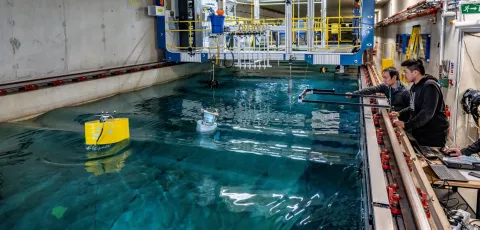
(421, 13)
(405, 10)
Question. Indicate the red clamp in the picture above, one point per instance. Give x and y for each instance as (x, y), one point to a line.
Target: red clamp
(376, 120)
(399, 135)
(424, 199)
(29, 87)
(119, 72)
(380, 141)
(394, 199)
(380, 132)
(82, 78)
(386, 162)
(409, 163)
(102, 75)
(57, 83)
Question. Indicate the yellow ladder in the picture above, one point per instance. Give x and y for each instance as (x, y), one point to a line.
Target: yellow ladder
(413, 47)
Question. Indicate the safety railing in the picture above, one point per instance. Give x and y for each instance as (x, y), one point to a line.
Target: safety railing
(333, 26)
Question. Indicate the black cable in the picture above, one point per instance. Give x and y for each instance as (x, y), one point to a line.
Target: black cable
(101, 132)
(470, 58)
(233, 60)
(1, 187)
(458, 207)
(473, 35)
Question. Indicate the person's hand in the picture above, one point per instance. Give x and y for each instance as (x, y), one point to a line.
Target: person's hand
(348, 96)
(394, 114)
(399, 123)
(454, 152)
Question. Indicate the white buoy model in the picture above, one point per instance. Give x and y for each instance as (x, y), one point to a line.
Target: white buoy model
(209, 122)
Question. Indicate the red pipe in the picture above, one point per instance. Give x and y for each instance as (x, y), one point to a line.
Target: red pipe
(405, 10)
(422, 13)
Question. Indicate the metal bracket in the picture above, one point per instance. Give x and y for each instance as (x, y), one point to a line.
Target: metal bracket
(380, 205)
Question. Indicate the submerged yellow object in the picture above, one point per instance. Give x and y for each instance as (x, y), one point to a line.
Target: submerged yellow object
(110, 131)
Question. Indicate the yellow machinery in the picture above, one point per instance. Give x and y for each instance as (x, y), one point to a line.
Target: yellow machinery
(388, 62)
(106, 130)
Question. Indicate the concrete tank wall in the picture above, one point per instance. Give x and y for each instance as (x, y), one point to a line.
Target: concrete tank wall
(27, 104)
(44, 38)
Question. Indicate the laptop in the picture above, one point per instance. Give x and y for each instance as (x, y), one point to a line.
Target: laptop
(441, 170)
(445, 173)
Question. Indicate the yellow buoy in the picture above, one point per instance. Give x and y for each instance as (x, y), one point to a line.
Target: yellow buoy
(107, 131)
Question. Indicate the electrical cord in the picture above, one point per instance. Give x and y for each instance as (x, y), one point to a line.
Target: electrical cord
(470, 58)
(1, 186)
(101, 132)
(473, 35)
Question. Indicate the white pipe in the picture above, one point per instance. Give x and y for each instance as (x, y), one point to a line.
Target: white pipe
(288, 27)
(467, 24)
(442, 37)
(324, 20)
(457, 80)
(448, 14)
(256, 9)
(298, 24)
(265, 43)
(311, 25)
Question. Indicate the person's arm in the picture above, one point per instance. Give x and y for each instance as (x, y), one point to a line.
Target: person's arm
(427, 109)
(406, 101)
(371, 90)
(471, 149)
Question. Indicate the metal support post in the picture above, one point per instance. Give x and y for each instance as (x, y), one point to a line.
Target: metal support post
(324, 23)
(310, 29)
(288, 27)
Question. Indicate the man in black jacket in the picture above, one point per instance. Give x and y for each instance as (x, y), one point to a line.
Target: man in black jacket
(471, 149)
(393, 89)
(428, 122)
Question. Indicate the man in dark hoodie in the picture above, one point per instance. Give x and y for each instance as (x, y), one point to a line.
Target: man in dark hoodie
(428, 122)
(393, 89)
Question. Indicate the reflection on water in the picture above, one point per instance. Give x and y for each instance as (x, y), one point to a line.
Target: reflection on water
(108, 160)
(271, 163)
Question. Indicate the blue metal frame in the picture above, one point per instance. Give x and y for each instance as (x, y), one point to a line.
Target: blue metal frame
(161, 39)
(427, 38)
(402, 41)
(366, 36)
(367, 20)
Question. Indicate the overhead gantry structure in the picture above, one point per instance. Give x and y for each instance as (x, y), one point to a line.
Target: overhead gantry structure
(184, 32)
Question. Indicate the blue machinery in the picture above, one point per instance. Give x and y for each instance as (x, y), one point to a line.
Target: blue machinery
(254, 42)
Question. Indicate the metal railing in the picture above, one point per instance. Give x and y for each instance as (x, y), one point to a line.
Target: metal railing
(333, 25)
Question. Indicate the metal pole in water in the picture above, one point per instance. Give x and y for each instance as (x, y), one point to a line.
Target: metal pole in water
(213, 72)
(290, 84)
